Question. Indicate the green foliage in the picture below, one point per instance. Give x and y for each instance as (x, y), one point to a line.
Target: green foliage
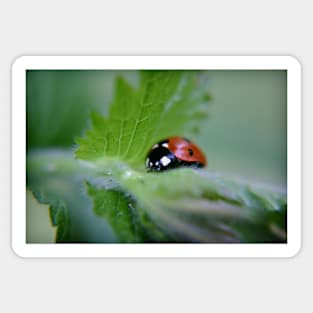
(56, 179)
(105, 194)
(116, 209)
(38, 221)
(166, 103)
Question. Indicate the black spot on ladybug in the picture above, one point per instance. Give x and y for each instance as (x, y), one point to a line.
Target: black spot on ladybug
(190, 152)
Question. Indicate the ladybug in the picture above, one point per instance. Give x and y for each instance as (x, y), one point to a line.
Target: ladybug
(172, 153)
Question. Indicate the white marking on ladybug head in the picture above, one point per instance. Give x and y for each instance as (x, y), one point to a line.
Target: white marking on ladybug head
(165, 145)
(155, 146)
(157, 163)
(165, 161)
(150, 163)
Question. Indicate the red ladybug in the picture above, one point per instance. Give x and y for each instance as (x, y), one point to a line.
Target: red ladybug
(174, 152)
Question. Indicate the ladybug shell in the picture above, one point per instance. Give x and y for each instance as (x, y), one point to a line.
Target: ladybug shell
(174, 152)
(186, 151)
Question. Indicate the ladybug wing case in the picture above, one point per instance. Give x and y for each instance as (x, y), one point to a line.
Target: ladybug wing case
(186, 151)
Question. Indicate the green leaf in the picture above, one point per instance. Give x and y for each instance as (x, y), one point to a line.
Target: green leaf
(56, 179)
(127, 219)
(194, 205)
(39, 228)
(183, 205)
(140, 117)
(116, 209)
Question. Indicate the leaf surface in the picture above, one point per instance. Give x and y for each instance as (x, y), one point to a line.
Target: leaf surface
(56, 179)
(166, 103)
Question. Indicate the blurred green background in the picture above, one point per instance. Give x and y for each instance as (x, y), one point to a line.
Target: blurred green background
(246, 135)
